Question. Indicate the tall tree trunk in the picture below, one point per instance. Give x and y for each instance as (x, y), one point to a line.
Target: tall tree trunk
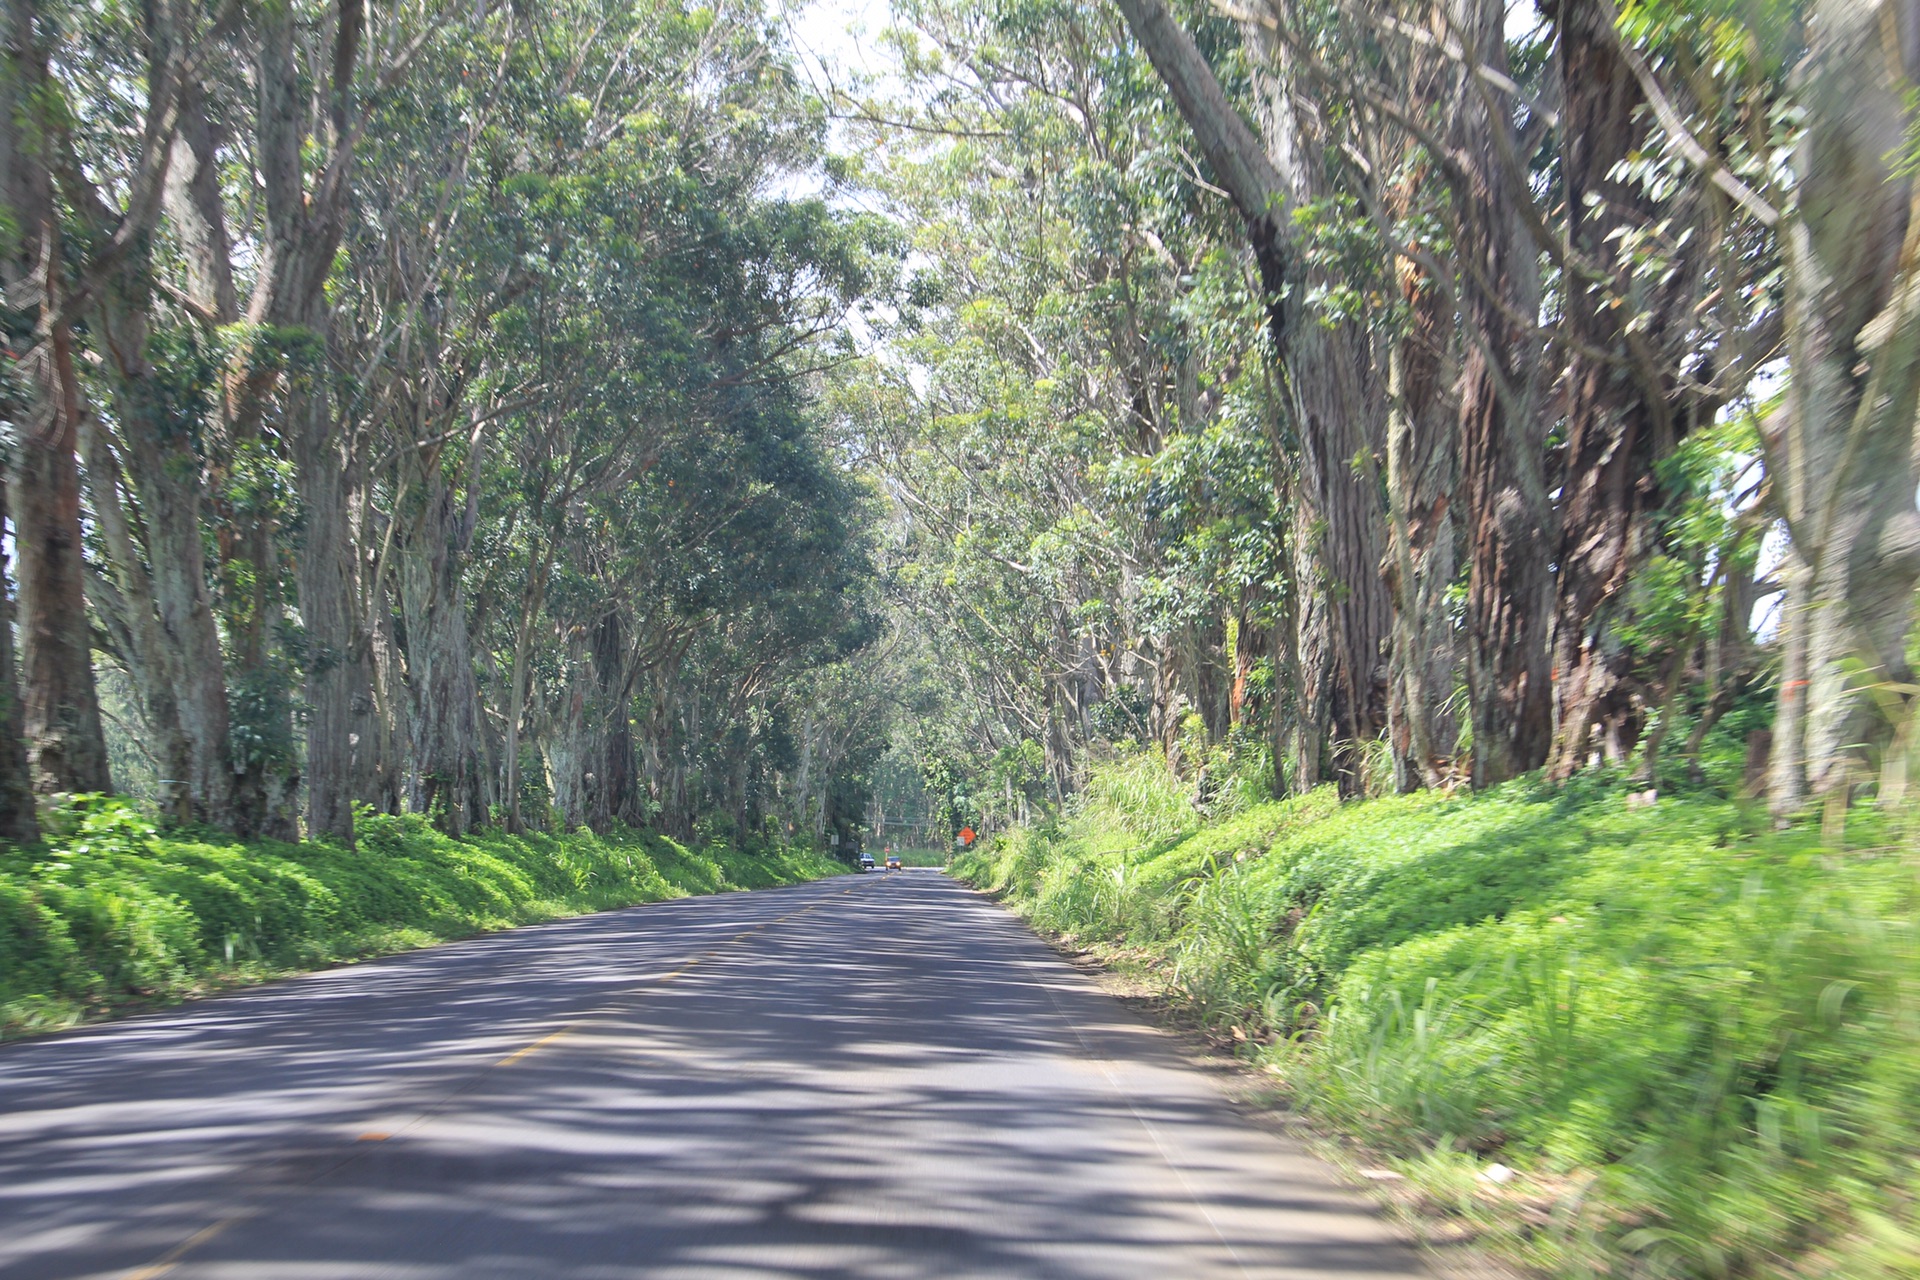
(245, 519)
(570, 749)
(66, 746)
(339, 683)
(60, 712)
(1334, 402)
(447, 752)
(1509, 587)
(1786, 756)
(267, 779)
(1616, 431)
(1340, 419)
(305, 229)
(248, 522)
(676, 809)
(18, 822)
(617, 798)
(1846, 462)
(167, 475)
(533, 599)
(158, 560)
(380, 777)
(1422, 472)
(123, 597)
(1424, 553)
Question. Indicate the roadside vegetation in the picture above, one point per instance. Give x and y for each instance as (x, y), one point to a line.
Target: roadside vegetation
(1697, 1039)
(1192, 445)
(1400, 558)
(110, 914)
(441, 433)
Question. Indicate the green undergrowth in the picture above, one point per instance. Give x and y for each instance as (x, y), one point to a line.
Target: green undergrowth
(1697, 1039)
(110, 913)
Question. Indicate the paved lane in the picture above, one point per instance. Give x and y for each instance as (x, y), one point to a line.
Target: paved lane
(884, 1076)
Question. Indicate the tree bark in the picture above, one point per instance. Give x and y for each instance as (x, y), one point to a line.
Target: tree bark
(617, 798)
(1617, 428)
(570, 744)
(449, 761)
(1853, 330)
(1336, 402)
(123, 597)
(180, 646)
(1509, 586)
(1786, 756)
(533, 599)
(259, 709)
(66, 748)
(66, 745)
(1424, 557)
(305, 229)
(1333, 398)
(18, 821)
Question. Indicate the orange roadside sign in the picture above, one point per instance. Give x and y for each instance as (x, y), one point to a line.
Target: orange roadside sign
(966, 835)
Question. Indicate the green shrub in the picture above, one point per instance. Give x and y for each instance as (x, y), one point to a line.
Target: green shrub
(1707, 1033)
(110, 911)
(1138, 794)
(1728, 1035)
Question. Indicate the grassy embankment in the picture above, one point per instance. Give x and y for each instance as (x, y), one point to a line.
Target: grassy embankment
(108, 913)
(1696, 1039)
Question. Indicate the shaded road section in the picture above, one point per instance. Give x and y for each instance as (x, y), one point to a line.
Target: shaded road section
(878, 1076)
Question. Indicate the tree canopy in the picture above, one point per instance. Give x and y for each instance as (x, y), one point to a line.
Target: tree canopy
(598, 413)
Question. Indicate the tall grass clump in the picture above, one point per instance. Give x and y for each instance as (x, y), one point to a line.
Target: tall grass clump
(1117, 866)
(1136, 793)
(1726, 1043)
(1697, 1038)
(109, 911)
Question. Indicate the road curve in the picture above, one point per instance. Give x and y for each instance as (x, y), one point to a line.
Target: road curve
(882, 1076)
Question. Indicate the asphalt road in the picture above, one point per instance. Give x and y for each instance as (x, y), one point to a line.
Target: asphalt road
(877, 1076)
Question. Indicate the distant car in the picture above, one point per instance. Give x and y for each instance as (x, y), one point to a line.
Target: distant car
(893, 862)
(866, 862)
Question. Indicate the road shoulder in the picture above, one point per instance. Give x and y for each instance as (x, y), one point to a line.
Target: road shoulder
(1445, 1242)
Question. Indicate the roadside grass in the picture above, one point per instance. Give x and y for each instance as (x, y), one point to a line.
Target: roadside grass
(1695, 1040)
(110, 914)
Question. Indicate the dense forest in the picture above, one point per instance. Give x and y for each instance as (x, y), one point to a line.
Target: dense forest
(413, 407)
(595, 414)
(1413, 397)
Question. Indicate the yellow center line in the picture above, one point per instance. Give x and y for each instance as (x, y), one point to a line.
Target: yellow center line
(171, 1259)
(742, 936)
(572, 1027)
(548, 1039)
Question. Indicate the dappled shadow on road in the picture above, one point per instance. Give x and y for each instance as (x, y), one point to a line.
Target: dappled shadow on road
(896, 1081)
(113, 1136)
